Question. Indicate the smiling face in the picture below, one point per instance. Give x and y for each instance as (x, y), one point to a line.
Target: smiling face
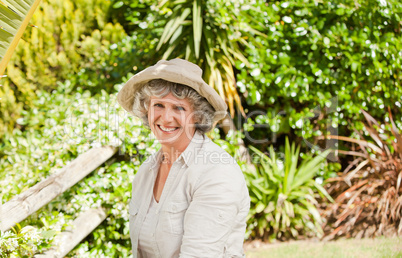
(172, 121)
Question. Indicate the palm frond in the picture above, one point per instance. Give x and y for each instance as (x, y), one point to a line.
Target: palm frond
(14, 18)
(206, 43)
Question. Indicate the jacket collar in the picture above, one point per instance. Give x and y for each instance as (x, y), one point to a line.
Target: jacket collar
(187, 157)
(193, 149)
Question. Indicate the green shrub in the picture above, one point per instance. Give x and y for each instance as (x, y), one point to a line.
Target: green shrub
(72, 41)
(284, 194)
(336, 56)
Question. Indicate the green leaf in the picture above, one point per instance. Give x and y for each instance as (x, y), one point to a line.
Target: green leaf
(11, 20)
(48, 233)
(118, 4)
(172, 26)
(323, 191)
(291, 160)
(309, 169)
(197, 26)
(259, 207)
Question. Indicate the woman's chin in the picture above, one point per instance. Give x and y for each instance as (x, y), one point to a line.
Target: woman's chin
(169, 138)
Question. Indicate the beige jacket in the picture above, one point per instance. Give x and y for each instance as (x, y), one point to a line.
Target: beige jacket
(203, 206)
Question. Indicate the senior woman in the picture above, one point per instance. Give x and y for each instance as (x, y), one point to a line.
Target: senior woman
(190, 198)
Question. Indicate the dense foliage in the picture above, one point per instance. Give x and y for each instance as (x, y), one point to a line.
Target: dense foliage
(320, 63)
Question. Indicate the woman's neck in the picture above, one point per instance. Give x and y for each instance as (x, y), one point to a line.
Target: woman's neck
(170, 154)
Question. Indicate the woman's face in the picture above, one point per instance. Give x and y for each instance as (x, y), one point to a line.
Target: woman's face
(171, 120)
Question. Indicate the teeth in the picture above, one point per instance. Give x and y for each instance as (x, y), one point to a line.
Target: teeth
(167, 129)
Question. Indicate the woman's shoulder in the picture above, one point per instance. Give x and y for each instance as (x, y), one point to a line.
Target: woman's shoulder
(146, 166)
(213, 161)
(216, 156)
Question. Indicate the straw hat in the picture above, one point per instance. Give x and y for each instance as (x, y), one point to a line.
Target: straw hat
(178, 71)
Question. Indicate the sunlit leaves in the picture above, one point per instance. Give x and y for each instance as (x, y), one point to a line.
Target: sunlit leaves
(316, 51)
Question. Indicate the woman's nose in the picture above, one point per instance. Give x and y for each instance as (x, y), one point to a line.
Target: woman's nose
(167, 115)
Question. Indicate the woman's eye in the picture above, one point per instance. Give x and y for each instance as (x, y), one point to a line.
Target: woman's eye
(180, 108)
(158, 105)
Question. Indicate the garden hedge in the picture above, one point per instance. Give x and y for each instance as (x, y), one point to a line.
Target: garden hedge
(340, 55)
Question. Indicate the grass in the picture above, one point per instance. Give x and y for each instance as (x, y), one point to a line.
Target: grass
(378, 247)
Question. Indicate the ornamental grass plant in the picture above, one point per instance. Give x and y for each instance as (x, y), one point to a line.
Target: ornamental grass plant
(368, 193)
(284, 194)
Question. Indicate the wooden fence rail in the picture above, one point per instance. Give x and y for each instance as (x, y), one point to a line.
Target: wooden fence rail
(28, 202)
(81, 227)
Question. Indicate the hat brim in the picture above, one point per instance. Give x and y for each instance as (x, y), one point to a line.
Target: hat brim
(178, 71)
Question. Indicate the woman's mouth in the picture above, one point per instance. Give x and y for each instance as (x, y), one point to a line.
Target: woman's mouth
(167, 129)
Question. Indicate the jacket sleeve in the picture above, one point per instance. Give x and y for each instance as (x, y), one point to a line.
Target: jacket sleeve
(211, 217)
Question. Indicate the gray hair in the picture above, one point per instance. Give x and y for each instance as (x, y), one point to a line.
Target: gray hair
(203, 111)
